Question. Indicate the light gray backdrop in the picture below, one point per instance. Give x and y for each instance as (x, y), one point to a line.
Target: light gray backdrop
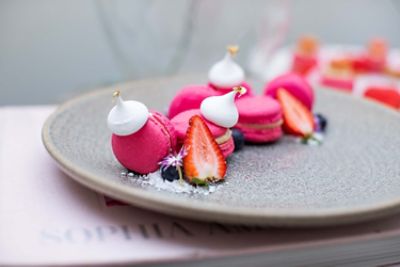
(51, 50)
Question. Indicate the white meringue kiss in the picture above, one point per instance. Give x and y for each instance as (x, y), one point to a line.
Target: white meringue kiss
(226, 73)
(221, 110)
(127, 117)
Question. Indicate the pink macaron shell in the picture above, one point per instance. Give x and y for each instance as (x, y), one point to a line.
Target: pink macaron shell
(181, 124)
(222, 90)
(191, 96)
(260, 136)
(227, 147)
(142, 151)
(259, 110)
(293, 83)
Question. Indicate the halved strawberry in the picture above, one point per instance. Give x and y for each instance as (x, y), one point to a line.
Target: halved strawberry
(298, 119)
(204, 161)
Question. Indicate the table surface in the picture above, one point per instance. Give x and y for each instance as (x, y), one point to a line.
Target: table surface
(52, 220)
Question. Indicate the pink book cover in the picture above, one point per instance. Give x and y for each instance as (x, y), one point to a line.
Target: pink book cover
(48, 219)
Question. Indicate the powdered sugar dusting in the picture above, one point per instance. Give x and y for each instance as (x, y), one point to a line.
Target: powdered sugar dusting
(181, 187)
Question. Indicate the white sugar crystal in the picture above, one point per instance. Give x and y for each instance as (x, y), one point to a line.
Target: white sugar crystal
(155, 180)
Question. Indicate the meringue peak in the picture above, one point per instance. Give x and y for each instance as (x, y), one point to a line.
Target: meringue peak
(127, 117)
(227, 73)
(221, 110)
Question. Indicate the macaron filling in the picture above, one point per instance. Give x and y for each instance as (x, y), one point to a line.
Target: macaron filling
(258, 126)
(224, 138)
(256, 135)
(227, 147)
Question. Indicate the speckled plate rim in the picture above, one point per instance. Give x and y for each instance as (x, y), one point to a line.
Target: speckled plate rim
(208, 211)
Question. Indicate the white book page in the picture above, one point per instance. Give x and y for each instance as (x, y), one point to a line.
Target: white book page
(47, 218)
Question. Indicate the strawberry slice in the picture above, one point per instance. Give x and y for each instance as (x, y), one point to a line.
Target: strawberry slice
(298, 119)
(204, 161)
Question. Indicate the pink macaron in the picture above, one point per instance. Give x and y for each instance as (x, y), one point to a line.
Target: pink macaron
(222, 135)
(293, 83)
(191, 96)
(260, 119)
(142, 151)
(224, 75)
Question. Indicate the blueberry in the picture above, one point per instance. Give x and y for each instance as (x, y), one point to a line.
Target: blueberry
(321, 122)
(170, 173)
(238, 139)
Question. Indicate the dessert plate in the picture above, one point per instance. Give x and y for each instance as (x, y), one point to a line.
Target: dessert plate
(354, 176)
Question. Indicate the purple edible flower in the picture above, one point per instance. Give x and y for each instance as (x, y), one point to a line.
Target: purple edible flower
(174, 159)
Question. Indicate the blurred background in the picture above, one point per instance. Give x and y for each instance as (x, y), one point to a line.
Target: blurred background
(53, 50)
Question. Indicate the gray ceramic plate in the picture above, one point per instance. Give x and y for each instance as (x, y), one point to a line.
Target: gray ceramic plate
(354, 176)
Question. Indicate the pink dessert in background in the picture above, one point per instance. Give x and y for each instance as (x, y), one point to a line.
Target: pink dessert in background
(293, 83)
(379, 88)
(386, 95)
(260, 119)
(339, 74)
(374, 59)
(305, 56)
(344, 84)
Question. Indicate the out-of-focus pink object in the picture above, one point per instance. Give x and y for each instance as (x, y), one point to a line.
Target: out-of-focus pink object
(378, 87)
(338, 74)
(293, 83)
(337, 83)
(305, 56)
(386, 95)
